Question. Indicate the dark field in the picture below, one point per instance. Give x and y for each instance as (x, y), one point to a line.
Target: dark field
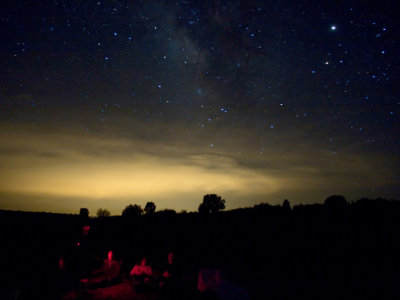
(309, 252)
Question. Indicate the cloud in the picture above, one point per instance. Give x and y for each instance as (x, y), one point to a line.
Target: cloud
(94, 168)
(101, 169)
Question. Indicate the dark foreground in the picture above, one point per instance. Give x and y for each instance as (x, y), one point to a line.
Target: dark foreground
(309, 252)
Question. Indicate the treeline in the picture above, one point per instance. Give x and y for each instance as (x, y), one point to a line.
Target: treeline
(213, 203)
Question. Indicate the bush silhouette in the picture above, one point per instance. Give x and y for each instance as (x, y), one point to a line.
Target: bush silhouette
(166, 212)
(132, 210)
(150, 208)
(335, 202)
(212, 203)
(286, 205)
(102, 212)
(84, 212)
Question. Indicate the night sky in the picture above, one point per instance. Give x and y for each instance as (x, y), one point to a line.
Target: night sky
(107, 103)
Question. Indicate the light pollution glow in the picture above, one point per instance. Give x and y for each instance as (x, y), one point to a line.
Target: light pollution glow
(111, 173)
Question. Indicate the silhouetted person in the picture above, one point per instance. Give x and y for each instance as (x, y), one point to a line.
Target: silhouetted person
(107, 274)
(63, 278)
(211, 280)
(141, 273)
(169, 272)
(169, 268)
(111, 267)
(172, 283)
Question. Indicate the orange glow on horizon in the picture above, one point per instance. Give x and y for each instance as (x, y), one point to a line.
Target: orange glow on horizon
(131, 179)
(42, 169)
(94, 169)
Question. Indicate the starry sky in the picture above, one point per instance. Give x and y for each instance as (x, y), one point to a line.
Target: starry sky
(106, 103)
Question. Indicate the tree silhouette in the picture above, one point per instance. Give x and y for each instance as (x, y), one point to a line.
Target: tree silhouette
(335, 202)
(286, 204)
(84, 212)
(102, 212)
(336, 205)
(132, 210)
(150, 208)
(212, 203)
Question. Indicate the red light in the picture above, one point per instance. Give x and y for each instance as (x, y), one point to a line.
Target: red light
(85, 230)
(78, 244)
(61, 264)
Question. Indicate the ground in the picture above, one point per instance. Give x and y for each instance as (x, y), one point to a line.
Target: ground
(121, 291)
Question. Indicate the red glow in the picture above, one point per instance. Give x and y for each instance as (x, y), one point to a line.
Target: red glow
(141, 269)
(170, 258)
(85, 230)
(167, 274)
(61, 264)
(208, 279)
(78, 244)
